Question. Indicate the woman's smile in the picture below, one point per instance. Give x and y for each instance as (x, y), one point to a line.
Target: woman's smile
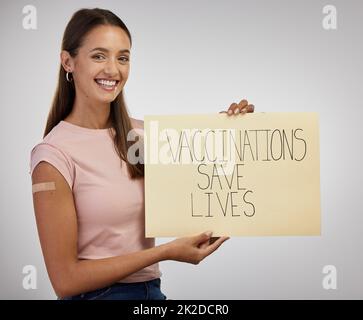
(108, 85)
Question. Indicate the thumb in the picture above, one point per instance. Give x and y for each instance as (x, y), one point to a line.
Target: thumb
(202, 237)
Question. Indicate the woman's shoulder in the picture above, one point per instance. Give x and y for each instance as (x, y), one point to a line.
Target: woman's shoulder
(137, 123)
(54, 143)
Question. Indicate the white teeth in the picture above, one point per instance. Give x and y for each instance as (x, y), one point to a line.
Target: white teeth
(109, 83)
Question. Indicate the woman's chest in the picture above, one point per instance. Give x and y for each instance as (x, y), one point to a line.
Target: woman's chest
(104, 193)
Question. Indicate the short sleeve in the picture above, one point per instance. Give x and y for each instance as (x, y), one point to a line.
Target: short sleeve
(57, 158)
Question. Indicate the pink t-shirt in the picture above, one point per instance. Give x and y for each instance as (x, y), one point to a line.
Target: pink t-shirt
(109, 205)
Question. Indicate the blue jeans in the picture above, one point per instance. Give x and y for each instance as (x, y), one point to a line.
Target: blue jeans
(148, 290)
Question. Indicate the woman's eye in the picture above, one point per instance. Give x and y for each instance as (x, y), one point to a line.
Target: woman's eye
(124, 59)
(97, 56)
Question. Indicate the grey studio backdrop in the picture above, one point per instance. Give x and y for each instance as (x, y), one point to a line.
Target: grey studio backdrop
(196, 57)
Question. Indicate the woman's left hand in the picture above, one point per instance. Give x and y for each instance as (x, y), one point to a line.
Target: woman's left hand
(240, 108)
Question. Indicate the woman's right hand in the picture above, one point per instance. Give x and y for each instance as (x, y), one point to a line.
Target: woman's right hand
(193, 249)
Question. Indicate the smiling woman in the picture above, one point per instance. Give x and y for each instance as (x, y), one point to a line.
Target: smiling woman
(91, 222)
(95, 51)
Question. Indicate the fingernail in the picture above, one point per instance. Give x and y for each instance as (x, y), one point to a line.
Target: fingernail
(209, 233)
(236, 111)
(229, 111)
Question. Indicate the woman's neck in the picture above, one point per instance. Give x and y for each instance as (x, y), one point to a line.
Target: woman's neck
(90, 116)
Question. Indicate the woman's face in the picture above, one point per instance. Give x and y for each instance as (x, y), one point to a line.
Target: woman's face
(101, 67)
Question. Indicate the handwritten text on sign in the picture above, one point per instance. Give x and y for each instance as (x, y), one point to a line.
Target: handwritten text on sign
(256, 174)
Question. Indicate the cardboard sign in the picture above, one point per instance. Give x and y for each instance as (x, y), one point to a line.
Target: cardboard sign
(251, 175)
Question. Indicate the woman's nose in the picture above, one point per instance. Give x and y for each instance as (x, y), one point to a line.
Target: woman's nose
(111, 67)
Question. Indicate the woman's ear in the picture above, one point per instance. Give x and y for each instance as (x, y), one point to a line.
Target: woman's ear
(66, 61)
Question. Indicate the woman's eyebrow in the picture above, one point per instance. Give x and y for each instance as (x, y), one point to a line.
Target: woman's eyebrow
(106, 50)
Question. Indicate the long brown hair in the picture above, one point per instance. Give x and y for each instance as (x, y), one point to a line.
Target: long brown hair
(82, 22)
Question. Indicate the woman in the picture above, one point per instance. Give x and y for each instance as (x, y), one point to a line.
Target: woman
(88, 199)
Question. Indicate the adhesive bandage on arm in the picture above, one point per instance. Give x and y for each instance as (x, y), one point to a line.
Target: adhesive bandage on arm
(43, 186)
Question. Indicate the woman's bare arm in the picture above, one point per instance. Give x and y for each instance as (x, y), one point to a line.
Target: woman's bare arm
(57, 227)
